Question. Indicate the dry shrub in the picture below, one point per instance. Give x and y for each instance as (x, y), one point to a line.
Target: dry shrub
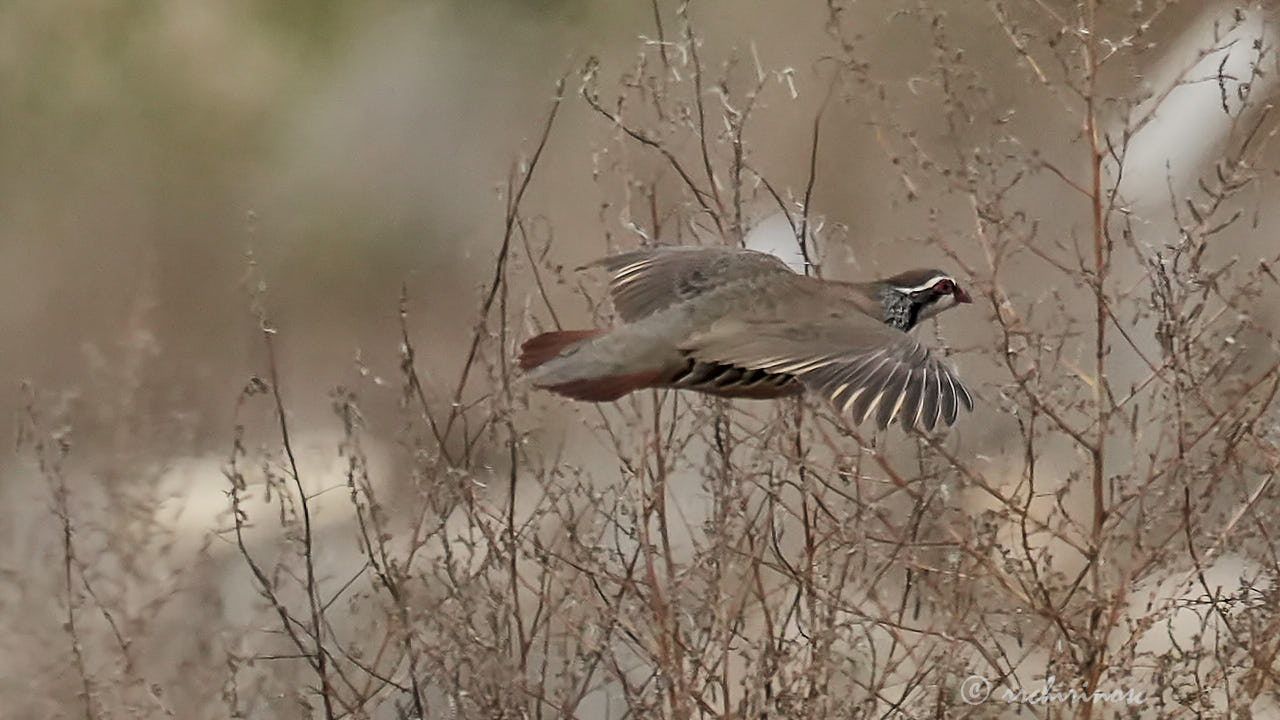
(1102, 520)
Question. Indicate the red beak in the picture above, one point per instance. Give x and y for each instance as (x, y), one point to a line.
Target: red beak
(962, 296)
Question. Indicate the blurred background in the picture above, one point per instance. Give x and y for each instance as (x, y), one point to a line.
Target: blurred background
(151, 149)
(162, 162)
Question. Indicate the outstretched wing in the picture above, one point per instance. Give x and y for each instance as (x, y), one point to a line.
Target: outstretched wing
(863, 367)
(646, 281)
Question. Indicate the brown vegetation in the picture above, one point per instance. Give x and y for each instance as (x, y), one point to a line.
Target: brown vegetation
(1105, 519)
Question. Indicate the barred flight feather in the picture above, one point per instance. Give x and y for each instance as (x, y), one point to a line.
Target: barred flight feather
(929, 410)
(911, 398)
(893, 396)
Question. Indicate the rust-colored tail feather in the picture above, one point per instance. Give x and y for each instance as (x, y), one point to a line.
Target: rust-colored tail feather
(548, 346)
(538, 350)
(606, 389)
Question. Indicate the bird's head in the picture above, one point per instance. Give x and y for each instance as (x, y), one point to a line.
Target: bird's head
(915, 295)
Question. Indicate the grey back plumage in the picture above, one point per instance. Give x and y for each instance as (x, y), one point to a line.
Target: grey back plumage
(644, 282)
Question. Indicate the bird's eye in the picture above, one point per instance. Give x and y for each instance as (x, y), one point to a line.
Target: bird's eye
(945, 287)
